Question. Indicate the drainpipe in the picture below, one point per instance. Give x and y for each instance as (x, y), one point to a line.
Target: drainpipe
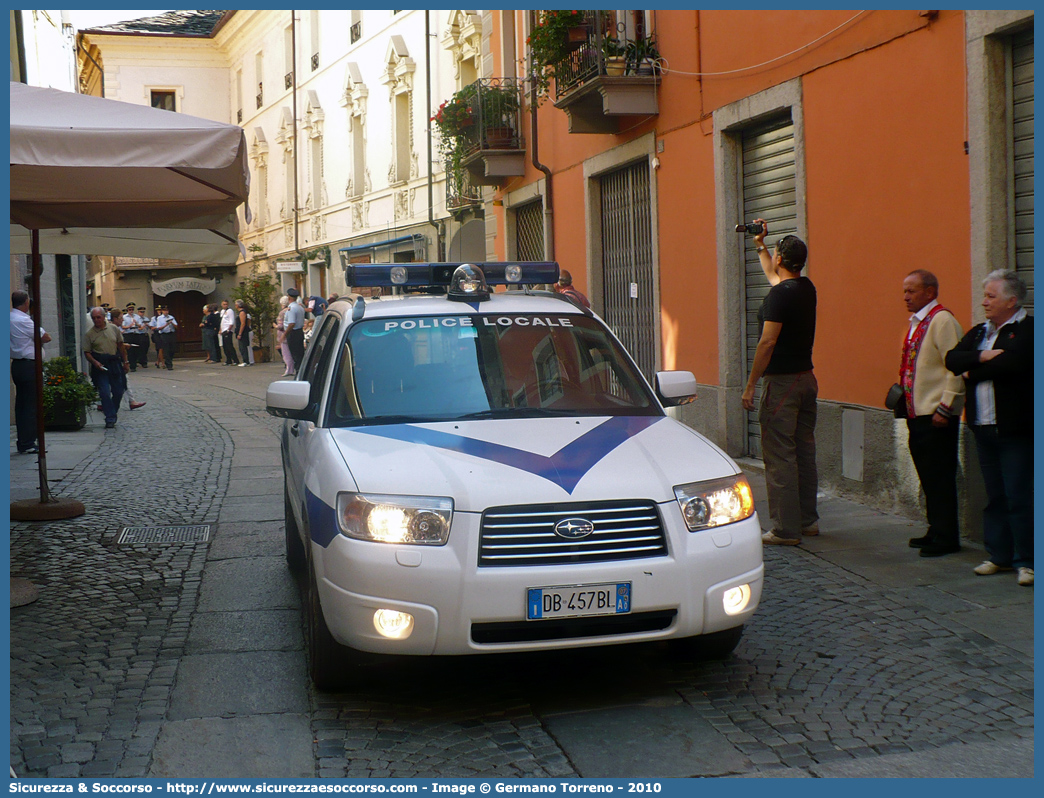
(293, 87)
(431, 200)
(534, 138)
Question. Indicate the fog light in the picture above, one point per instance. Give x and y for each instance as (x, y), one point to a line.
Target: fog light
(736, 599)
(393, 624)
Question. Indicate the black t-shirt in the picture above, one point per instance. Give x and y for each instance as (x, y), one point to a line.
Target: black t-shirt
(792, 303)
(212, 321)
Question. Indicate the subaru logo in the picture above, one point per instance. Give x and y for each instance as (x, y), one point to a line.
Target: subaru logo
(574, 528)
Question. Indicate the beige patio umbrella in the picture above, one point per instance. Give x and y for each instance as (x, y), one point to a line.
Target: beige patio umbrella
(91, 176)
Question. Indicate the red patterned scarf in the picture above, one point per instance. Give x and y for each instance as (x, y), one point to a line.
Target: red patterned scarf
(911, 346)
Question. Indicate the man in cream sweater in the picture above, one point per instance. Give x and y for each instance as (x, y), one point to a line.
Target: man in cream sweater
(932, 401)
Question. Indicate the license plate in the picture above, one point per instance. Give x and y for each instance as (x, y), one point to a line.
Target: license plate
(576, 601)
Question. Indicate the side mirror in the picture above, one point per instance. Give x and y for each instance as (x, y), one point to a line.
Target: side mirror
(290, 399)
(675, 388)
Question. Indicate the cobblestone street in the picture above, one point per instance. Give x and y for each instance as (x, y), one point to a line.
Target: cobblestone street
(187, 659)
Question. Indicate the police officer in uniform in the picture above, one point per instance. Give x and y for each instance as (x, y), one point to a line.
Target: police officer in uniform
(166, 335)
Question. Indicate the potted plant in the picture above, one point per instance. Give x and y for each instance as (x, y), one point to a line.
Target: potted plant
(614, 55)
(258, 292)
(67, 393)
(642, 56)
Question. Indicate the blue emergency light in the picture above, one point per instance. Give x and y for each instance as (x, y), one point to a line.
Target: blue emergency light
(440, 275)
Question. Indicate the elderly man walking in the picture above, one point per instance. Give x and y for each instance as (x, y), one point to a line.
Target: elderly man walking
(104, 350)
(932, 402)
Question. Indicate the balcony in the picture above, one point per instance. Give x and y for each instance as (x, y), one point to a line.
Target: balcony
(481, 126)
(606, 73)
(461, 192)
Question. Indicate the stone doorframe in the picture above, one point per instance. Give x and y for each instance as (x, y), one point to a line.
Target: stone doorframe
(729, 122)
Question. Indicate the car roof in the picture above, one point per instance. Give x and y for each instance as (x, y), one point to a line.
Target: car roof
(441, 305)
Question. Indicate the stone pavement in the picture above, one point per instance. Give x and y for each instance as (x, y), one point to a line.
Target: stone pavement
(187, 659)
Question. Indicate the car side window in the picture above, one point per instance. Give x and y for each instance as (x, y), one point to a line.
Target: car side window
(318, 363)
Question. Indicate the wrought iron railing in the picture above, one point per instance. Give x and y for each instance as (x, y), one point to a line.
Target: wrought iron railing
(315, 61)
(495, 120)
(239, 116)
(460, 193)
(288, 80)
(356, 32)
(607, 47)
(260, 95)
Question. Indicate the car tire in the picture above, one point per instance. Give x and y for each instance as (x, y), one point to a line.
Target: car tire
(295, 551)
(328, 660)
(713, 646)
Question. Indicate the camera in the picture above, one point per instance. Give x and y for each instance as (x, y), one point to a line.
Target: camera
(751, 229)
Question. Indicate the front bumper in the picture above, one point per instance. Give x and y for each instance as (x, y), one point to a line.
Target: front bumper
(448, 595)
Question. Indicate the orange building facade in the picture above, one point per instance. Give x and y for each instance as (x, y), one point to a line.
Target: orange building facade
(887, 140)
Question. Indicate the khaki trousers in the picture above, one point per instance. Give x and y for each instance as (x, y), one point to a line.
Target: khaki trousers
(788, 444)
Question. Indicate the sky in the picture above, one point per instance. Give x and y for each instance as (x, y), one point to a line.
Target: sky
(82, 19)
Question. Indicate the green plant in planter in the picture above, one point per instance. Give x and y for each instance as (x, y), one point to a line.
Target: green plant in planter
(258, 292)
(65, 388)
(641, 54)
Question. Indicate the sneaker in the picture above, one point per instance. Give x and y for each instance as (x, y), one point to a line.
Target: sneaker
(772, 539)
(1026, 577)
(989, 568)
(241, 364)
(136, 405)
(811, 530)
(110, 425)
(29, 449)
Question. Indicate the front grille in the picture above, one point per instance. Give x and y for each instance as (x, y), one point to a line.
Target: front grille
(525, 535)
(569, 628)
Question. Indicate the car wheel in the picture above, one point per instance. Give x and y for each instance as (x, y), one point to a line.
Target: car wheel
(295, 552)
(716, 645)
(328, 660)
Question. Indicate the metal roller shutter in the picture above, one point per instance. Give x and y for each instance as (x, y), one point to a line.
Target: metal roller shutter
(769, 174)
(1022, 154)
(630, 306)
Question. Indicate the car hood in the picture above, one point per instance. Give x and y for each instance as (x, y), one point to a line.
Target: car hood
(488, 463)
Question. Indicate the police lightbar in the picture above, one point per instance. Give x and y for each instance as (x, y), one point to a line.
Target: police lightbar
(426, 275)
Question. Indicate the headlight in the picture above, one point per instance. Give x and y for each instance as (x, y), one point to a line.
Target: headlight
(715, 503)
(423, 520)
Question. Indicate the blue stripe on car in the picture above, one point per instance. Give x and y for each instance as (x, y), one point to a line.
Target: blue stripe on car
(565, 468)
(322, 519)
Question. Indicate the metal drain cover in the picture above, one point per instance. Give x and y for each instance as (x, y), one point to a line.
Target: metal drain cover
(199, 533)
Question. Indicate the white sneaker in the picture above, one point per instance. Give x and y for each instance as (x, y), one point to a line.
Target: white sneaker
(990, 568)
(241, 365)
(1026, 577)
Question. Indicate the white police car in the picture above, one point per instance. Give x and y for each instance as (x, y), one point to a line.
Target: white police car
(475, 471)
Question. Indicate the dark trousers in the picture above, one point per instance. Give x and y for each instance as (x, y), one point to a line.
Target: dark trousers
(169, 343)
(1007, 520)
(137, 349)
(244, 346)
(934, 452)
(23, 374)
(110, 383)
(295, 340)
(210, 344)
(788, 443)
(228, 343)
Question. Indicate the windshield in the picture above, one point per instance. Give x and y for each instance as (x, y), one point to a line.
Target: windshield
(474, 366)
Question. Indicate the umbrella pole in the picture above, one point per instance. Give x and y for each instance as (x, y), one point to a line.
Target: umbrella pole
(48, 508)
(36, 269)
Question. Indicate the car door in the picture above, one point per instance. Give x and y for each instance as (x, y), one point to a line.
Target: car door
(299, 435)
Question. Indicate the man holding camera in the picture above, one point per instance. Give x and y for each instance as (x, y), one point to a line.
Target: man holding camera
(783, 360)
(932, 401)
